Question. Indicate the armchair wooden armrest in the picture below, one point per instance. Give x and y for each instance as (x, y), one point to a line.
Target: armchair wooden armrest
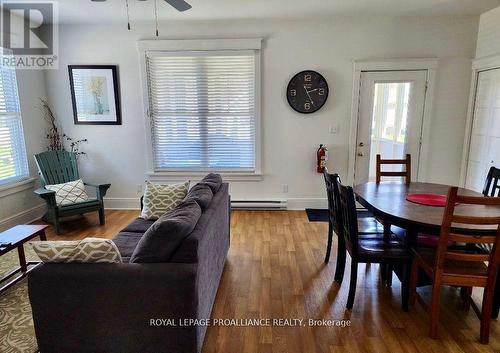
(101, 189)
(48, 195)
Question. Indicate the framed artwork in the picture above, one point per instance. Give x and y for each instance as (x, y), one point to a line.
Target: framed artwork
(95, 94)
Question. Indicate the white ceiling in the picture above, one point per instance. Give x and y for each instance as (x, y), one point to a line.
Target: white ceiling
(113, 11)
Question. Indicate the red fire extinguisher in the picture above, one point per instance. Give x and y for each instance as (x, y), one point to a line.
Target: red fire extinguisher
(322, 157)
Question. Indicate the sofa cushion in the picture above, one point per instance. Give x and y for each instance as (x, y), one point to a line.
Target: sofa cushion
(126, 242)
(202, 194)
(159, 199)
(161, 240)
(139, 225)
(214, 181)
(88, 250)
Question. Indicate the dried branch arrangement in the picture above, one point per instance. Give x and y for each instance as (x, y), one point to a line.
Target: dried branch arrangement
(56, 141)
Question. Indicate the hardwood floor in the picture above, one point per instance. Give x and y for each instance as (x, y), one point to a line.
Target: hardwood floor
(275, 270)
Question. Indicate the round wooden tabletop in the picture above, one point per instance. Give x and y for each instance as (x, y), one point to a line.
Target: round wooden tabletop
(388, 201)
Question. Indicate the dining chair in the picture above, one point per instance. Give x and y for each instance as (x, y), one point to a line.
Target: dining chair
(448, 266)
(491, 185)
(382, 250)
(406, 173)
(367, 224)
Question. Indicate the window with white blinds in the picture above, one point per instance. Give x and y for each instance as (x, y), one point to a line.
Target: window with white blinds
(203, 110)
(13, 162)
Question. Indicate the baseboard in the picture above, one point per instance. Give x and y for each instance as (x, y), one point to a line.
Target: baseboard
(131, 203)
(122, 203)
(301, 204)
(24, 217)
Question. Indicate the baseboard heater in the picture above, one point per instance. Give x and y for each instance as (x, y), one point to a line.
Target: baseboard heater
(259, 204)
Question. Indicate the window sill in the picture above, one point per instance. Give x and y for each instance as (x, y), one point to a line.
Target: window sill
(197, 176)
(16, 187)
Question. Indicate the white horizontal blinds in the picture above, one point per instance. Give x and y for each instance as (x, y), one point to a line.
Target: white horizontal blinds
(13, 163)
(202, 109)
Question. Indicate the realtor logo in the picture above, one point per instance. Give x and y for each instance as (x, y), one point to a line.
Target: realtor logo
(29, 29)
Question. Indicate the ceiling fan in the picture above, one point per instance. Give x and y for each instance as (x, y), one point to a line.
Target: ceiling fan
(179, 5)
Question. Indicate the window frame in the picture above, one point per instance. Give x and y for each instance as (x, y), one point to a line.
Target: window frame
(185, 46)
(13, 182)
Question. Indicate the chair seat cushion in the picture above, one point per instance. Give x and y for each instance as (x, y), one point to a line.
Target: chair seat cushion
(126, 242)
(139, 225)
(427, 257)
(69, 193)
(379, 247)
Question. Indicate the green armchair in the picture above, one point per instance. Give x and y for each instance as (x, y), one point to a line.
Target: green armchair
(56, 167)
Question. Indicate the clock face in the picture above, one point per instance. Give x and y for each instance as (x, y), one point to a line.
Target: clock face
(307, 92)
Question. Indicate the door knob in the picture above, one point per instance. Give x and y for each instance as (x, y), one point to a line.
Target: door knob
(361, 144)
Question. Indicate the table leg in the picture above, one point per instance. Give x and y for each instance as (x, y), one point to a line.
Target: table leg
(42, 235)
(22, 258)
(410, 241)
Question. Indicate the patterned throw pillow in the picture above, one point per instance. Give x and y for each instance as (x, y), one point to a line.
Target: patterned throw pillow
(88, 250)
(159, 199)
(68, 193)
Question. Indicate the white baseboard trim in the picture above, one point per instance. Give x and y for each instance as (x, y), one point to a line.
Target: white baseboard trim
(24, 217)
(122, 203)
(131, 203)
(301, 204)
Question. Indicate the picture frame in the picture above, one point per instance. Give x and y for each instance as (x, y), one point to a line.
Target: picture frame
(95, 94)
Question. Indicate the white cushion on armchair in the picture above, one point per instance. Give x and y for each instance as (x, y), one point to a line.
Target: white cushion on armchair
(69, 193)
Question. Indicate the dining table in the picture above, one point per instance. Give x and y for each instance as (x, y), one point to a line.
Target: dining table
(388, 202)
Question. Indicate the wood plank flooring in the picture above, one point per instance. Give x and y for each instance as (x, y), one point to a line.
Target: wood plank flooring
(275, 270)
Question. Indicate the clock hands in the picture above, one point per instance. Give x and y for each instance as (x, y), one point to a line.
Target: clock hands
(307, 92)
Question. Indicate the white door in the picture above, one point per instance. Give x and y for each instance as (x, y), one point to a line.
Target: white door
(391, 110)
(484, 149)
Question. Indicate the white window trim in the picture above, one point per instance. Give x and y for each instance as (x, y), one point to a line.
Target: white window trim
(145, 46)
(359, 66)
(17, 186)
(478, 65)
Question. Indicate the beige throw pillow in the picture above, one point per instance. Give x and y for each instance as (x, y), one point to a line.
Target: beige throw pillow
(69, 193)
(88, 250)
(159, 199)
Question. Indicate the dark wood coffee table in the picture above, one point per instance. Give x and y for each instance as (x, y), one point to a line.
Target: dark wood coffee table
(14, 238)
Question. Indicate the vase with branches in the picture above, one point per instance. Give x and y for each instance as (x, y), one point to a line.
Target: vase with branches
(56, 141)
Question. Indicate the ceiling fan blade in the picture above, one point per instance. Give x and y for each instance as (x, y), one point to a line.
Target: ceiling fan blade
(180, 5)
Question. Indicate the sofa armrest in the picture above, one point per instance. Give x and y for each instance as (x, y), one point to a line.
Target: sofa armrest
(108, 307)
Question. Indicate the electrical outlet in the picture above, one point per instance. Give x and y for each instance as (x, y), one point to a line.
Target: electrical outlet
(334, 129)
(285, 188)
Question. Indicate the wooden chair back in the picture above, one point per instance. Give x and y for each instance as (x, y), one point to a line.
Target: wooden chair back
(406, 173)
(56, 167)
(349, 218)
(491, 186)
(447, 234)
(332, 194)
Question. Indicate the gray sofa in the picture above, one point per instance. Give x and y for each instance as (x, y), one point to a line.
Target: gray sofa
(106, 308)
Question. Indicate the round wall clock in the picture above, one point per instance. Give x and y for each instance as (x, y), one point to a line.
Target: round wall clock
(307, 92)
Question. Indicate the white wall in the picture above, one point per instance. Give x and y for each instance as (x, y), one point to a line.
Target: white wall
(117, 153)
(488, 42)
(21, 205)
